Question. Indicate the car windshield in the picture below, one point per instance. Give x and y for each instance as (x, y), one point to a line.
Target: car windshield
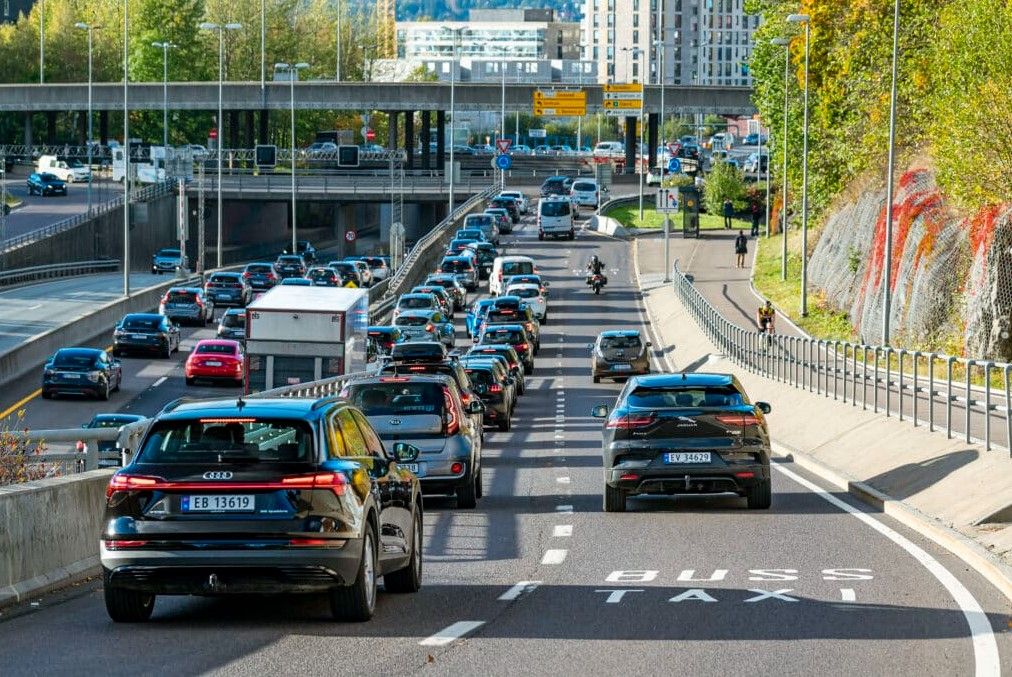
(524, 293)
(182, 296)
(696, 396)
(233, 320)
(142, 323)
(519, 267)
(168, 253)
(415, 302)
(555, 208)
(213, 440)
(215, 349)
(585, 187)
(617, 342)
(396, 398)
(503, 335)
(73, 360)
(411, 321)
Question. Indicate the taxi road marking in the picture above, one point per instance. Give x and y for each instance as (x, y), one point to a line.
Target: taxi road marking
(451, 633)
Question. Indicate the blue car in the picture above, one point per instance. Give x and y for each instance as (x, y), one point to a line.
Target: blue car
(425, 325)
(46, 184)
(476, 315)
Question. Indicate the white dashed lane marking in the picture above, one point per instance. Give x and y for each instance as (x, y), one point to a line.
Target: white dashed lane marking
(452, 633)
(521, 588)
(160, 381)
(562, 531)
(847, 595)
(554, 556)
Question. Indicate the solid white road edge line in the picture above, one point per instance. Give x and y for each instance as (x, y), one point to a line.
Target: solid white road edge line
(451, 633)
(985, 649)
(160, 381)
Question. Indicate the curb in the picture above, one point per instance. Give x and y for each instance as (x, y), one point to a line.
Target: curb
(973, 554)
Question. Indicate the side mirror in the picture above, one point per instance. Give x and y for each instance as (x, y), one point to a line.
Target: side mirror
(405, 453)
(476, 407)
(590, 346)
(764, 407)
(600, 411)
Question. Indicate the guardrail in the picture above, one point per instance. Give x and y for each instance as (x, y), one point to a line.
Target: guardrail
(842, 369)
(339, 184)
(140, 195)
(22, 275)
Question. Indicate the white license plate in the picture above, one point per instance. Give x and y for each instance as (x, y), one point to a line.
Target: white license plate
(138, 337)
(213, 363)
(71, 375)
(621, 367)
(688, 457)
(417, 468)
(219, 503)
(222, 296)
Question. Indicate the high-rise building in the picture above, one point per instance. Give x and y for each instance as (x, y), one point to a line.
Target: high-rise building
(706, 42)
(10, 9)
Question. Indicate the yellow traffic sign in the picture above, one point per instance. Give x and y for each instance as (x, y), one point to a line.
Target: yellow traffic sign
(560, 96)
(628, 104)
(560, 110)
(624, 87)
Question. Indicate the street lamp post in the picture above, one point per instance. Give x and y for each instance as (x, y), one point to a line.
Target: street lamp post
(88, 27)
(786, 44)
(337, 69)
(42, 41)
(453, 89)
(805, 19)
(165, 46)
(220, 28)
(887, 264)
(126, 150)
(635, 51)
(293, 73)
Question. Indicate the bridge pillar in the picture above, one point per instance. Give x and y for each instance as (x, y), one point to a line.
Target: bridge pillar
(393, 129)
(440, 139)
(424, 138)
(82, 127)
(51, 127)
(652, 139)
(103, 127)
(233, 128)
(29, 141)
(409, 138)
(630, 145)
(263, 118)
(250, 139)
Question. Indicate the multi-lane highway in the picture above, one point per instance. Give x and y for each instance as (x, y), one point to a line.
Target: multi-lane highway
(38, 211)
(538, 579)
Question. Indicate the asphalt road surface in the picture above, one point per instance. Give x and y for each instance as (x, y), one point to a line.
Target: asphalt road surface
(39, 212)
(539, 580)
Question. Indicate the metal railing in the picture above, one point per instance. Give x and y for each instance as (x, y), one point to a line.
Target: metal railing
(22, 275)
(83, 456)
(340, 184)
(899, 382)
(140, 195)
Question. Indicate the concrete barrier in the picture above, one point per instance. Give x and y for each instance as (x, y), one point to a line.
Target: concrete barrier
(25, 359)
(607, 226)
(49, 533)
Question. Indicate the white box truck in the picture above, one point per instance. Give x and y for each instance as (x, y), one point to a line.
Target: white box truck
(300, 334)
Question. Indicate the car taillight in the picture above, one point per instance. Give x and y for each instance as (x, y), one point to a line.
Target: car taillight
(452, 423)
(456, 468)
(495, 388)
(271, 276)
(334, 481)
(165, 299)
(118, 544)
(131, 483)
(394, 379)
(629, 422)
(247, 275)
(429, 327)
(737, 419)
(198, 302)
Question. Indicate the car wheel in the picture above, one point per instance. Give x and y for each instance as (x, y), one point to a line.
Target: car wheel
(190, 380)
(597, 379)
(106, 392)
(128, 606)
(572, 235)
(168, 351)
(357, 602)
(467, 495)
(614, 499)
(544, 320)
(119, 382)
(116, 352)
(46, 395)
(504, 424)
(480, 487)
(760, 496)
(408, 579)
(541, 236)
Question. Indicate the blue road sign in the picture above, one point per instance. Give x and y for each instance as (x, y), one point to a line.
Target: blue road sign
(675, 166)
(503, 162)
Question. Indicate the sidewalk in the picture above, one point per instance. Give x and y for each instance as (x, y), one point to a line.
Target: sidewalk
(950, 483)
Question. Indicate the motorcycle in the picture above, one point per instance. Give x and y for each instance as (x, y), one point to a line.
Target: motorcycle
(597, 281)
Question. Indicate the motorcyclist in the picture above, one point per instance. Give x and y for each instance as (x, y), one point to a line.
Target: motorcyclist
(596, 267)
(766, 318)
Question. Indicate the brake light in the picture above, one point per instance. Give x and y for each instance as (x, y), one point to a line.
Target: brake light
(130, 483)
(310, 542)
(416, 368)
(247, 275)
(334, 481)
(521, 346)
(456, 468)
(630, 422)
(429, 327)
(198, 302)
(394, 379)
(495, 388)
(629, 476)
(737, 419)
(745, 475)
(271, 276)
(165, 299)
(121, 544)
(452, 423)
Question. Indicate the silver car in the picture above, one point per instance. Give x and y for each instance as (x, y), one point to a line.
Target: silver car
(426, 411)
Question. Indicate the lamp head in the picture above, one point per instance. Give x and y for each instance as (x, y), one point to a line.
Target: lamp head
(797, 18)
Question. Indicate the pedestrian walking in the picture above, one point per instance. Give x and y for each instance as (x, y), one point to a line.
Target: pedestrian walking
(741, 248)
(755, 218)
(728, 213)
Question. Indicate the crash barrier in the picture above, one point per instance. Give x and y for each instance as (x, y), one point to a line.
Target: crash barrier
(18, 276)
(969, 398)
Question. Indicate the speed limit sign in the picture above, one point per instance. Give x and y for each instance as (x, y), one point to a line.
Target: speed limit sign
(350, 235)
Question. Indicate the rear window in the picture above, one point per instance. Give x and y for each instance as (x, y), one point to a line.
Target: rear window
(524, 293)
(73, 360)
(503, 335)
(480, 377)
(614, 342)
(585, 187)
(411, 321)
(555, 208)
(393, 399)
(519, 267)
(233, 320)
(224, 279)
(502, 317)
(215, 349)
(168, 253)
(215, 440)
(478, 220)
(456, 266)
(182, 296)
(142, 323)
(375, 262)
(322, 274)
(415, 302)
(109, 423)
(715, 396)
(259, 268)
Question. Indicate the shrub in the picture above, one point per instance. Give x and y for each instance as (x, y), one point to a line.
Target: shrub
(724, 182)
(18, 462)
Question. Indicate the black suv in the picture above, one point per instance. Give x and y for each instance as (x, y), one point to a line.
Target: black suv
(290, 265)
(685, 434)
(512, 335)
(261, 496)
(555, 185)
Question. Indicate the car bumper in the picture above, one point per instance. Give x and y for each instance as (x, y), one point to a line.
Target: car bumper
(715, 478)
(240, 570)
(85, 388)
(163, 268)
(226, 299)
(182, 314)
(224, 372)
(609, 369)
(138, 345)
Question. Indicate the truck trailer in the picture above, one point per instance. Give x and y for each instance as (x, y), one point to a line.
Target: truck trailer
(299, 334)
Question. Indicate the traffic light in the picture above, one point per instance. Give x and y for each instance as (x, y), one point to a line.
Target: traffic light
(347, 156)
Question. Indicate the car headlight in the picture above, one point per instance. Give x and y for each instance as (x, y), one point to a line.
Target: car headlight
(94, 376)
(48, 373)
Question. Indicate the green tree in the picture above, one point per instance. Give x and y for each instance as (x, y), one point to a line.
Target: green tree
(724, 182)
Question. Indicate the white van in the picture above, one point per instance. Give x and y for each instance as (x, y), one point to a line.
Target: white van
(585, 193)
(555, 217)
(609, 149)
(63, 170)
(506, 266)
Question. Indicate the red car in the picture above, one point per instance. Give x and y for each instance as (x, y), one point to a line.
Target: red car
(215, 359)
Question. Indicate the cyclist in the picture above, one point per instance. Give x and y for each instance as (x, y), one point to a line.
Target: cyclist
(766, 318)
